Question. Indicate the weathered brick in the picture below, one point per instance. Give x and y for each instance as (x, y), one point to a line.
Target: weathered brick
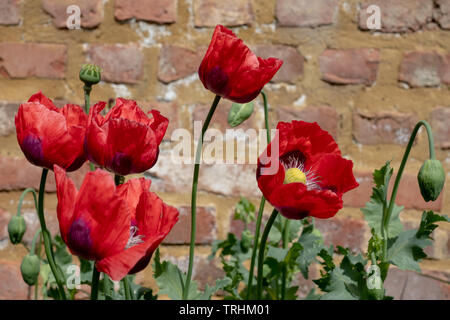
(13, 286)
(160, 11)
(120, 63)
(408, 193)
(359, 196)
(440, 118)
(204, 271)
(18, 174)
(5, 216)
(91, 12)
(9, 12)
(384, 127)
(441, 13)
(206, 226)
(398, 16)
(408, 285)
(326, 116)
(352, 66)
(168, 110)
(223, 179)
(231, 13)
(343, 231)
(292, 68)
(304, 13)
(422, 69)
(7, 113)
(177, 62)
(22, 60)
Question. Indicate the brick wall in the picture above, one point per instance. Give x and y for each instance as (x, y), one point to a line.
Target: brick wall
(367, 88)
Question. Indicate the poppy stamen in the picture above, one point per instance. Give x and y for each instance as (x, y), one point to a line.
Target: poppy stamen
(134, 240)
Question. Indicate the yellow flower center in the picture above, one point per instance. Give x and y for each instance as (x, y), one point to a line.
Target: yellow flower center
(294, 175)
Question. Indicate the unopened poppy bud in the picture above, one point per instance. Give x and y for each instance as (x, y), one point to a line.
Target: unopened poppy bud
(16, 229)
(431, 179)
(90, 74)
(30, 269)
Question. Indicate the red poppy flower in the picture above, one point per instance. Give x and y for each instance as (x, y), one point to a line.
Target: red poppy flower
(49, 135)
(118, 227)
(231, 70)
(126, 140)
(310, 175)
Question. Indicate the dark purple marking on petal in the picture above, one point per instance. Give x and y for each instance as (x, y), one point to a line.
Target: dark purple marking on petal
(217, 81)
(293, 213)
(32, 148)
(122, 164)
(79, 239)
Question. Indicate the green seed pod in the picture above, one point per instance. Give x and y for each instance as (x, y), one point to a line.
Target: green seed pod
(239, 113)
(431, 179)
(16, 229)
(90, 74)
(30, 269)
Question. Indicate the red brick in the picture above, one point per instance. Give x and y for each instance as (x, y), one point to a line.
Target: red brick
(358, 197)
(440, 118)
(305, 285)
(18, 174)
(292, 68)
(383, 128)
(231, 13)
(119, 63)
(5, 216)
(91, 12)
(168, 110)
(441, 13)
(408, 193)
(177, 62)
(22, 60)
(408, 285)
(304, 13)
(9, 12)
(206, 226)
(352, 66)
(325, 116)
(400, 15)
(160, 11)
(422, 69)
(7, 113)
(13, 287)
(343, 231)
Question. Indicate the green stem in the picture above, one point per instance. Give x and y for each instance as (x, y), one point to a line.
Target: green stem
(387, 217)
(33, 243)
(47, 236)
(24, 193)
(285, 245)
(261, 205)
(87, 92)
(95, 281)
(198, 154)
(262, 250)
(126, 288)
(36, 286)
(106, 285)
(255, 246)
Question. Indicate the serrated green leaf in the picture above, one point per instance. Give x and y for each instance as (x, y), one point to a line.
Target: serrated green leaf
(428, 223)
(311, 241)
(239, 113)
(405, 250)
(337, 287)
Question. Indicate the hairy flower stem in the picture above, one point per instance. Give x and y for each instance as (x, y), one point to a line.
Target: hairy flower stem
(262, 250)
(388, 212)
(261, 206)
(95, 281)
(47, 237)
(24, 193)
(87, 92)
(198, 154)
(285, 245)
